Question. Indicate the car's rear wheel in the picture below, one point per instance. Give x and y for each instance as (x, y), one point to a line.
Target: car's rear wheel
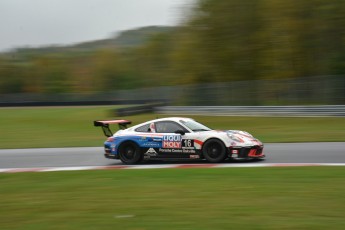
(214, 151)
(130, 153)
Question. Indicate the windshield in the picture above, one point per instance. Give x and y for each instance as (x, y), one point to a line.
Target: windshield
(195, 126)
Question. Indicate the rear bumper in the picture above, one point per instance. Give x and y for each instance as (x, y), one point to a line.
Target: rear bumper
(109, 151)
(250, 152)
(111, 156)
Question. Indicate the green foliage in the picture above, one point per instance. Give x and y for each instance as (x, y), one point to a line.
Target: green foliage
(11, 78)
(238, 40)
(219, 41)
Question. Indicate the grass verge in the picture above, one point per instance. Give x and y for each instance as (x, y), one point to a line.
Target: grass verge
(231, 198)
(72, 126)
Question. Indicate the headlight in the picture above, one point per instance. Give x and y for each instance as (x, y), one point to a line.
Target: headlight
(234, 138)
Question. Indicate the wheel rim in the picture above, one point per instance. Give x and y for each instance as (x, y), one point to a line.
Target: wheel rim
(214, 150)
(129, 152)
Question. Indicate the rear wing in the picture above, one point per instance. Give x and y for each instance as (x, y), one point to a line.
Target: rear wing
(105, 125)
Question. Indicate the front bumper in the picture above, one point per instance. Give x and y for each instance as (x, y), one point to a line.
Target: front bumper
(250, 152)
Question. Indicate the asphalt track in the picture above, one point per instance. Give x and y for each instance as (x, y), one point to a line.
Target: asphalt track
(327, 152)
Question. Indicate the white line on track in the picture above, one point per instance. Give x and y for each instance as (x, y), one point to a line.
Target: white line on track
(243, 165)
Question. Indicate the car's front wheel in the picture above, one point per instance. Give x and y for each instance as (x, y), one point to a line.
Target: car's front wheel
(130, 153)
(214, 151)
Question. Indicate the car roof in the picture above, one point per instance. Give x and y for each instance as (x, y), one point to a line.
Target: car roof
(170, 119)
(176, 119)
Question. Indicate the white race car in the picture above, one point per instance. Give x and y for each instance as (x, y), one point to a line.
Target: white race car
(177, 138)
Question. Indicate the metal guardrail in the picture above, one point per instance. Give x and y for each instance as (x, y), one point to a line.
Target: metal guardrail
(139, 109)
(279, 111)
(317, 90)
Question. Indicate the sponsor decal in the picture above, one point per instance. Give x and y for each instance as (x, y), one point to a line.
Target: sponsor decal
(171, 144)
(163, 150)
(188, 151)
(151, 144)
(172, 138)
(172, 141)
(194, 156)
(151, 152)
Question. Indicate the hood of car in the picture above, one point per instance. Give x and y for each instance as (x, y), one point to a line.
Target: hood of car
(235, 137)
(242, 137)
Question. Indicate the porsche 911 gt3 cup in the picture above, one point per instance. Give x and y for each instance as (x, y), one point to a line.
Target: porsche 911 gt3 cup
(177, 138)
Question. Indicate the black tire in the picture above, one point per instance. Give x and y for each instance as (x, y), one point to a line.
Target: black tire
(130, 153)
(214, 151)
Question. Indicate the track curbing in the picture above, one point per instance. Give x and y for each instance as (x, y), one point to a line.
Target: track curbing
(164, 166)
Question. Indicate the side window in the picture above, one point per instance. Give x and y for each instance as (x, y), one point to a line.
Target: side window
(143, 128)
(168, 127)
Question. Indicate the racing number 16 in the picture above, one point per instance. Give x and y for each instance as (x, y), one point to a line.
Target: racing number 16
(188, 143)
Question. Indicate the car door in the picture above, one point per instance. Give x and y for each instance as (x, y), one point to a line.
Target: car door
(174, 145)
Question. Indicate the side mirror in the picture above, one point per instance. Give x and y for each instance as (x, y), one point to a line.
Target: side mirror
(180, 132)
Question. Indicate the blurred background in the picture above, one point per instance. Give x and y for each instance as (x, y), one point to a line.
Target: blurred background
(213, 52)
(266, 54)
